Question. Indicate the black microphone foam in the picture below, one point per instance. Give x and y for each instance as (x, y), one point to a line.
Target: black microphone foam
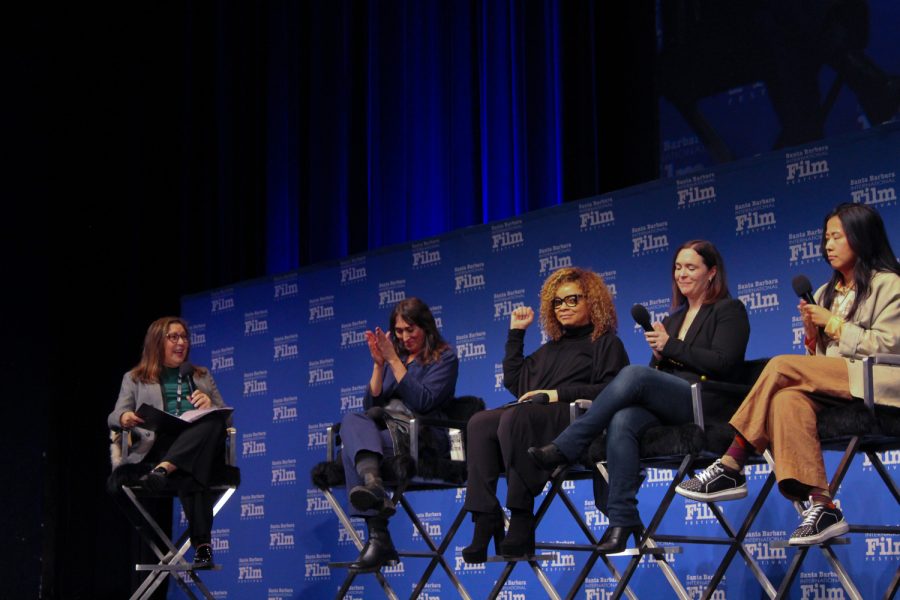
(185, 369)
(803, 288)
(641, 316)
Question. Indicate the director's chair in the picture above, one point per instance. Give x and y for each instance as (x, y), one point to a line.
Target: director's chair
(684, 449)
(403, 474)
(125, 486)
(855, 428)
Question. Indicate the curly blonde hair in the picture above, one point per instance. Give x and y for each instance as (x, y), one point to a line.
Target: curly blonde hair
(596, 294)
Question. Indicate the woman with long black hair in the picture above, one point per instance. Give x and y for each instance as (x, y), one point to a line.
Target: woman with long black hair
(856, 314)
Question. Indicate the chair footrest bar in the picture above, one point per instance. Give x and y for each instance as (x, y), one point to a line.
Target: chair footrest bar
(894, 529)
(530, 557)
(840, 541)
(693, 539)
(576, 547)
(175, 567)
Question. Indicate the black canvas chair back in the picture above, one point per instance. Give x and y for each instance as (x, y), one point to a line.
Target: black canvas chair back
(423, 468)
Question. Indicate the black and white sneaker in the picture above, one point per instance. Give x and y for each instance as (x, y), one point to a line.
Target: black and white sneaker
(819, 523)
(714, 483)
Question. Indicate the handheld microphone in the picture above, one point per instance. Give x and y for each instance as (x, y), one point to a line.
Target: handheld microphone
(803, 288)
(186, 370)
(641, 316)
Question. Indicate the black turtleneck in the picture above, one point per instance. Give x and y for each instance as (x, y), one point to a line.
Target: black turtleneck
(573, 365)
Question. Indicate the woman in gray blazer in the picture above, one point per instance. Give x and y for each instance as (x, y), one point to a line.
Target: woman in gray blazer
(165, 380)
(856, 314)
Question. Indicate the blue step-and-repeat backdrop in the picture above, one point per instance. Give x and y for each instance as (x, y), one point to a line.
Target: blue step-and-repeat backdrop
(289, 353)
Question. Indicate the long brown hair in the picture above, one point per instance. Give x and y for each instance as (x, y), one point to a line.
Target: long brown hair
(414, 311)
(153, 354)
(596, 294)
(718, 287)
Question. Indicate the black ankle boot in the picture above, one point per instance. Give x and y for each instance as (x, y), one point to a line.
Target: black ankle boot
(372, 496)
(379, 549)
(520, 537)
(615, 539)
(547, 457)
(487, 526)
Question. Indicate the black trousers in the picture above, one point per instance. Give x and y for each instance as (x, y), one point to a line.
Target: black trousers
(497, 441)
(195, 451)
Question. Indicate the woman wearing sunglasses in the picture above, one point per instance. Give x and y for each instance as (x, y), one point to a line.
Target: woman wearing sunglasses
(706, 334)
(582, 356)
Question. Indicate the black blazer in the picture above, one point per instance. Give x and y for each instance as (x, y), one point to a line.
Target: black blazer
(713, 346)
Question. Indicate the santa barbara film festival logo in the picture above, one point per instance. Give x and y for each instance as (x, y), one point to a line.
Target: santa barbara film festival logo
(352, 398)
(696, 190)
(554, 257)
(316, 502)
(198, 335)
(508, 235)
(285, 286)
(285, 347)
(759, 296)
(250, 569)
(353, 270)
(467, 278)
(805, 165)
(820, 585)
(506, 302)
(798, 333)
(875, 190)
(321, 371)
(391, 292)
(221, 301)
(593, 517)
(596, 214)
(804, 247)
(498, 377)
(651, 238)
(609, 278)
(316, 567)
(253, 444)
(222, 359)
(221, 540)
(759, 545)
(321, 309)
(253, 507)
(431, 523)
(281, 536)
(471, 346)
(284, 409)
(256, 383)
(426, 254)
(353, 334)
(317, 436)
(754, 216)
(284, 472)
(256, 322)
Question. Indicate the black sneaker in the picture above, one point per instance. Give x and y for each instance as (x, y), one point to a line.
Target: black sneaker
(819, 523)
(714, 483)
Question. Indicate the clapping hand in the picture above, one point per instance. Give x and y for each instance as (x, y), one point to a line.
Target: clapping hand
(385, 345)
(374, 350)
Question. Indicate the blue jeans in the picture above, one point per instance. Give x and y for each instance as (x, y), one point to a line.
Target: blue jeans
(639, 397)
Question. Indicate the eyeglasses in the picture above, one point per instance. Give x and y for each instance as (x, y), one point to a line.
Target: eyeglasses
(570, 301)
(174, 337)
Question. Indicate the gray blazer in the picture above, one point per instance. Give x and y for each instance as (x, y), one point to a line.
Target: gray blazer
(133, 394)
(875, 329)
